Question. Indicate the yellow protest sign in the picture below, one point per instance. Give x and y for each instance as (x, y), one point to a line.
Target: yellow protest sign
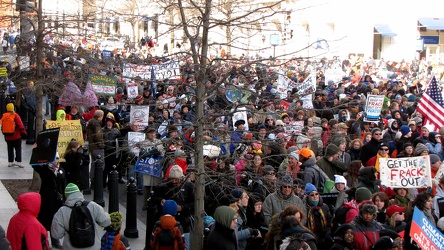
(71, 129)
(3, 72)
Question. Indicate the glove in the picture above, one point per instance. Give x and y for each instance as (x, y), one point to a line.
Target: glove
(254, 232)
(429, 189)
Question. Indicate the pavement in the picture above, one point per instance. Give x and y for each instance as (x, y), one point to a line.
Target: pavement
(8, 206)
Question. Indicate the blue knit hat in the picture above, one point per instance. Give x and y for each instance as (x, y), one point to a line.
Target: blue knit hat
(404, 130)
(310, 188)
(237, 193)
(170, 207)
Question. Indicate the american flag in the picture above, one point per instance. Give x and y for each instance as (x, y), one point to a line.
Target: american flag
(431, 106)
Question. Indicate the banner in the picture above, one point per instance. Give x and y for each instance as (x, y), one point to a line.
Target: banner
(133, 139)
(45, 152)
(105, 85)
(283, 85)
(150, 166)
(424, 233)
(373, 106)
(307, 101)
(294, 127)
(412, 172)
(168, 70)
(71, 129)
(3, 72)
(140, 114)
(334, 75)
(308, 86)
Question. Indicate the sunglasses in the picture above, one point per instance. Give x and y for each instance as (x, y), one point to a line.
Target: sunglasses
(315, 194)
(287, 187)
(279, 125)
(384, 149)
(270, 173)
(377, 134)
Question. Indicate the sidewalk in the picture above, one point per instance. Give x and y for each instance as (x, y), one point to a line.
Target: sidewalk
(8, 207)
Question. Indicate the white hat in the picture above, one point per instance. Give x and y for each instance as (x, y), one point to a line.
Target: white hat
(183, 97)
(429, 127)
(340, 179)
(176, 172)
(279, 122)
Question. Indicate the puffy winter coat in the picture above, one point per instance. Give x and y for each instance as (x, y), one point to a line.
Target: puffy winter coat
(276, 203)
(366, 233)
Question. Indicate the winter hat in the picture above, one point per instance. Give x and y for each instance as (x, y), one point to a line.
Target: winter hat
(429, 127)
(305, 152)
(267, 168)
(9, 107)
(224, 215)
(367, 174)
(279, 123)
(363, 194)
(237, 193)
(179, 153)
(70, 189)
(116, 220)
(138, 98)
(420, 148)
(208, 220)
(367, 207)
(374, 130)
(340, 179)
(170, 207)
(394, 209)
(286, 180)
(331, 149)
(176, 172)
(383, 243)
(404, 130)
(434, 158)
(340, 232)
(293, 154)
(309, 188)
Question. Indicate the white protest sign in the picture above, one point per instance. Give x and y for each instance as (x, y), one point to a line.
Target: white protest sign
(139, 115)
(294, 127)
(133, 139)
(168, 70)
(133, 90)
(334, 75)
(282, 85)
(412, 172)
(373, 106)
(240, 115)
(440, 172)
(307, 101)
(308, 86)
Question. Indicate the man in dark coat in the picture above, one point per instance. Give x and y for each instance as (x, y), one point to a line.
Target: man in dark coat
(221, 236)
(370, 149)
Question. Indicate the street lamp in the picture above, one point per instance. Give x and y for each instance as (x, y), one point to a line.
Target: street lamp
(275, 40)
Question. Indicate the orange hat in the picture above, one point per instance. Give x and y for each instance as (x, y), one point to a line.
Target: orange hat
(305, 152)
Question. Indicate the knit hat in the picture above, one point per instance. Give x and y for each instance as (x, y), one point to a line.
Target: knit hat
(9, 107)
(309, 188)
(237, 193)
(170, 207)
(116, 220)
(363, 194)
(267, 168)
(293, 154)
(340, 232)
(224, 215)
(429, 127)
(176, 172)
(331, 150)
(374, 130)
(286, 180)
(70, 189)
(383, 243)
(420, 148)
(434, 158)
(208, 220)
(404, 130)
(340, 179)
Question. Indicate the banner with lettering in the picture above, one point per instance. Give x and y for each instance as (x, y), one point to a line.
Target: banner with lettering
(71, 129)
(150, 165)
(424, 233)
(168, 70)
(308, 86)
(412, 172)
(373, 107)
(139, 115)
(294, 127)
(105, 85)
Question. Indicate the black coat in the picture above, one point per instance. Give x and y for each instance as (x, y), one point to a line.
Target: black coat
(221, 238)
(369, 150)
(73, 167)
(52, 192)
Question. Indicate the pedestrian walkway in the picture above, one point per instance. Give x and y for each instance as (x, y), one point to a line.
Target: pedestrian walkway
(8, 207)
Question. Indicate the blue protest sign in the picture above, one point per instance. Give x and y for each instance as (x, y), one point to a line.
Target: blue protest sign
(150, 166)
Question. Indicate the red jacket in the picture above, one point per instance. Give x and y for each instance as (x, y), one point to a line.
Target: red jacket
(24, 224)
(182, 164)
(19, 130)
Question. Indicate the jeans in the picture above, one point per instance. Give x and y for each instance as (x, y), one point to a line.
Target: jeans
(17, 146)
(137, 176)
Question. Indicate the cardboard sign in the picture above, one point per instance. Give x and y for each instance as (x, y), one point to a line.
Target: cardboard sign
(105, 85)
(133, 139)
(412, 172)
(150, 166)
(140, 114)
(71, 129)
(373, 106)
(3, 72)
(424, 233)
(294, 127)
(45, 152)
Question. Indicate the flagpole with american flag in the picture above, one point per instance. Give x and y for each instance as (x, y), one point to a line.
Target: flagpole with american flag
(431, 106)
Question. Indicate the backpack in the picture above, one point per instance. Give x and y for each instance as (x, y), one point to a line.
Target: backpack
(165, 240)
(81, 226)
(117, 244)
(340, 217)
(8, 123)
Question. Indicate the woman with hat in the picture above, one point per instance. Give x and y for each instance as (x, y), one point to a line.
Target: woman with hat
(401, 199)
(395, 217)
(340, 188)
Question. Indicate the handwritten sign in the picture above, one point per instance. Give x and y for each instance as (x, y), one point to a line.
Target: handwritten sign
(413, 172)
(424, 233)
(308, 85)
(3, 72)
(168, 70)
(307, 101)
(103, 84)
(373, 106)
(71, 129)
(294, 127)
(240, 115)
(139, 115)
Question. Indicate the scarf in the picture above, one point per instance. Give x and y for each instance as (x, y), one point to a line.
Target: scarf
(316, 220)
(377, 161)
(107, 240)
(402, 201)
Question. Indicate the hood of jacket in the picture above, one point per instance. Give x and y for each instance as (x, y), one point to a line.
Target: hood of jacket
(167, 222)
(73, 198)
(309, 162)
(29, 203)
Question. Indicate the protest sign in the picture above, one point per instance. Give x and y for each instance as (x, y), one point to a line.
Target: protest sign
(282, 85)
(150, 165)
(105, 85)
(440, 172)
(3, 71)
(307, 101)
(133, 139)
(424, 233)
(373, 106)
(240, 115)
(308, 85)
(139, 116)
(334, 75)
(71, 129)
(168, 70)
(132, 89)
(412, 172)
(285, 104)
(45, 152)
(294, 127)
(24, 63)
